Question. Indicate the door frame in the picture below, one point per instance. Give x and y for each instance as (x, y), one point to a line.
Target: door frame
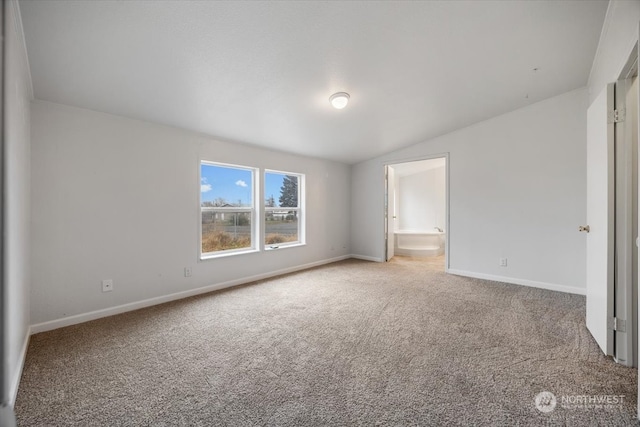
(447, 167)
(625, 290)
(5, 386)
(388, 254)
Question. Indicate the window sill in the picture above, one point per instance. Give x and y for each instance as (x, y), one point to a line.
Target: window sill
(283, 246)
(228, 254)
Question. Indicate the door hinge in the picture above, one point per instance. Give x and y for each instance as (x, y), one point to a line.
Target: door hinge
(617, 116)
(618, 325)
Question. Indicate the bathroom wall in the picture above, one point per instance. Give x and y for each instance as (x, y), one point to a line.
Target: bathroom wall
(421, 200)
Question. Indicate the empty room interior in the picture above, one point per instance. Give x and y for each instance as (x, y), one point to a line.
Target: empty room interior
(319, 213)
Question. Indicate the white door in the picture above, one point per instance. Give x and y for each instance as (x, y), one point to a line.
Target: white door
(390, 212)
(600, 211)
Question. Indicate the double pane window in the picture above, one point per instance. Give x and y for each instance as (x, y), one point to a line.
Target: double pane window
(229, 209)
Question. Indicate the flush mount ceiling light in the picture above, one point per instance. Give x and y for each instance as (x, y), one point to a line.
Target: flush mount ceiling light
(339, 100)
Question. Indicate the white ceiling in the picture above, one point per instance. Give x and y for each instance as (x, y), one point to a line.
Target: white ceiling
(261, 73)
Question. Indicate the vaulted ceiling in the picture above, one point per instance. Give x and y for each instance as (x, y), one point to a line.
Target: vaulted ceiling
(262, 72)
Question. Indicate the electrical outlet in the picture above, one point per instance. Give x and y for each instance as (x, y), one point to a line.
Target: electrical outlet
(503, 262)
(107, 285)
(187, 272)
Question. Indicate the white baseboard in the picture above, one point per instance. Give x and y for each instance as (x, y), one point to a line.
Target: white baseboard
(522, 282)
(15, 381)
(366, 258)
(97, 314)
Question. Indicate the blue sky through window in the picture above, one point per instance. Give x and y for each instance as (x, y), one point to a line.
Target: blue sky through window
(234, 185)
(273, 184)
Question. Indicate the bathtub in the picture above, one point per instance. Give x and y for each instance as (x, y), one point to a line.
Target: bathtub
(419, 243)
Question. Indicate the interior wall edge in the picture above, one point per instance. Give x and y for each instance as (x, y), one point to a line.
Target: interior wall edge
(603, 35)
(17, 375)
(18, 92)
(14, 11)
(618, 36)
(367, 258)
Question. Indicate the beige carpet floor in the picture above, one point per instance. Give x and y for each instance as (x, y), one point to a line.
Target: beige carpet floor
(350, 343)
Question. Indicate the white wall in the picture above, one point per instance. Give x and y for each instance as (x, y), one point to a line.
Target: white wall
(116, 198)
(619, 35)
(421, 200)
(517, 190)
(18, 94)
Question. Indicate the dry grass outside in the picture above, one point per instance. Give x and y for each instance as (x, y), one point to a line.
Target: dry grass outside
(271, 239)
(214, 241)
(221, 241)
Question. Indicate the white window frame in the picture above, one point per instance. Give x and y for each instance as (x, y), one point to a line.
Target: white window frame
(254, 209)
(300, 209)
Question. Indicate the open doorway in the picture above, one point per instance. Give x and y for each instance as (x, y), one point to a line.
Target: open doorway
(416, 211)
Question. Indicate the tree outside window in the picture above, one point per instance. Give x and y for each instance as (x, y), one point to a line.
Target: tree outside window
(282, 219)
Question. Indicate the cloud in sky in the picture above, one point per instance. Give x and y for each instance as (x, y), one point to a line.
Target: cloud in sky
(204, 187)
(241, 183)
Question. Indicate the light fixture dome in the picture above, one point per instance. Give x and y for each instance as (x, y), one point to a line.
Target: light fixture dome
(339, 100)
